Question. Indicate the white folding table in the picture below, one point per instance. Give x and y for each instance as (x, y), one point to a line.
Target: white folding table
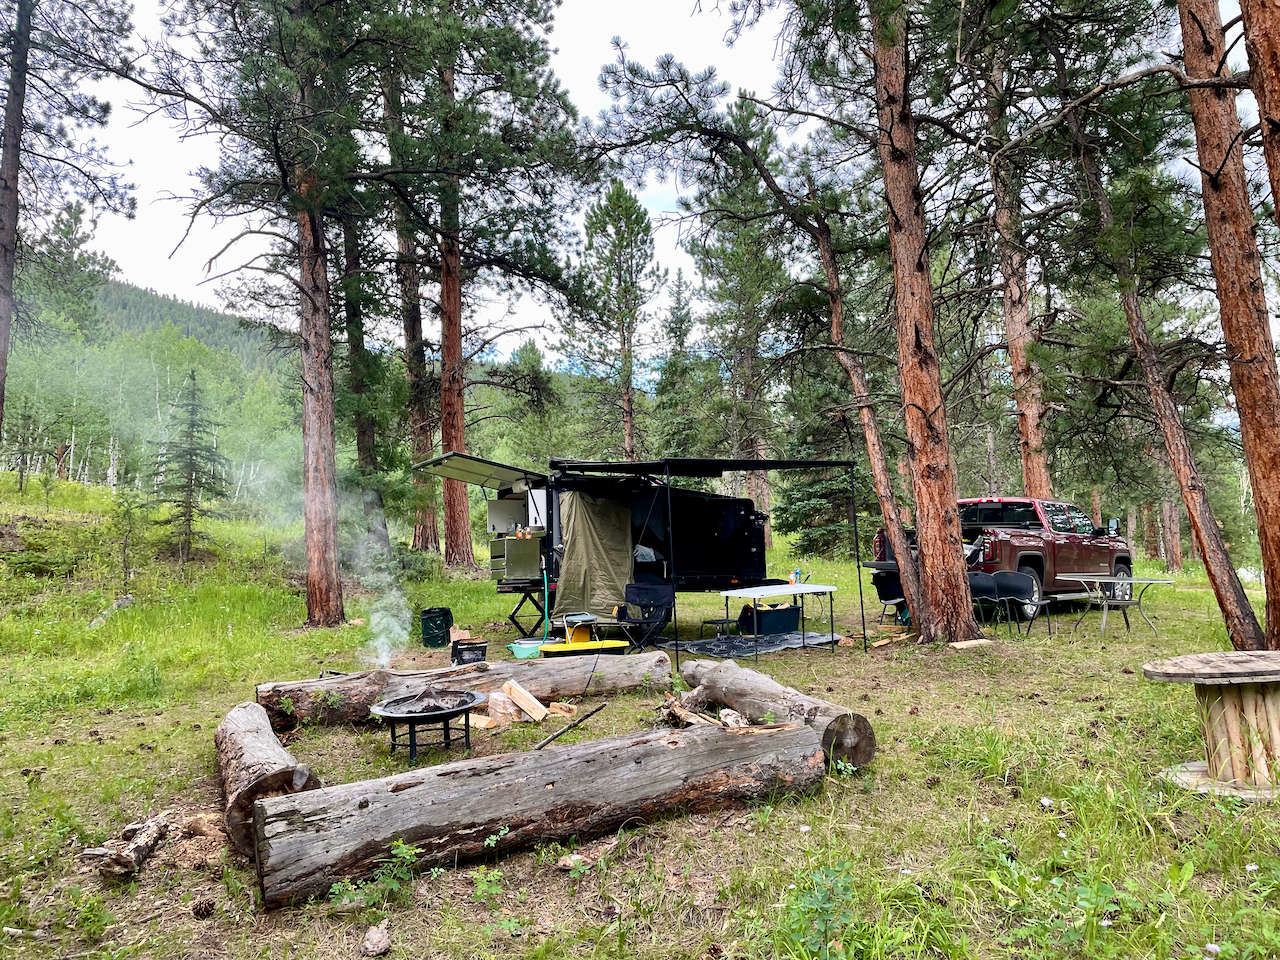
(794, 591)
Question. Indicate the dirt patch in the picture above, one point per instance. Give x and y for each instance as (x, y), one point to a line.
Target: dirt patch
(10, 540)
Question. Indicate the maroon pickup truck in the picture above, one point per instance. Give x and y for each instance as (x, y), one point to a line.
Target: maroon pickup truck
(1046, 539)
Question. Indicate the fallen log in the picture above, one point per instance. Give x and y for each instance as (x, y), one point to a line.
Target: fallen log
(305, 842)
(253, 765)
(124, 857)
(347, 697)
(758, 697)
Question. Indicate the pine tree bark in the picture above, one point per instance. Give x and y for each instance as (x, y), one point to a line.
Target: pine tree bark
(1262, 42)
(426, 528)
(359, 363)
(1095, 502)
(1150, 534)
(458, 551)
(881, 483)
(1237, 271)
(1171, 532)
(319, 459)
(10, 170)
(1028, 392)
(943, 575)
(1241, 622)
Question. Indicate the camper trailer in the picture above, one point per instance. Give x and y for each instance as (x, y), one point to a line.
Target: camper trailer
(575, 537)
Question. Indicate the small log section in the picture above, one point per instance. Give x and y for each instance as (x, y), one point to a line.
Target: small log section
(307, 841)
(758, 697)
(346, 698)
(1238, 699)
(124, 857)
(253, 765)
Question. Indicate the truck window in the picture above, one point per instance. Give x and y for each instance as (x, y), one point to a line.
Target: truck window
(1059, 518)
(998, 515)
(1021, 515)
(1083, 522)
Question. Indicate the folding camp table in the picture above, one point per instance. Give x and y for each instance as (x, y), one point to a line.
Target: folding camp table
(794, 591)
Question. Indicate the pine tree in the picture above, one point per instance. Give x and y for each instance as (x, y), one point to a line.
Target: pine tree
(605, 342)
(189, 471)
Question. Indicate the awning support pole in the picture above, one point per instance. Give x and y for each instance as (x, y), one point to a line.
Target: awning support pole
(671, 547)
(857, 551)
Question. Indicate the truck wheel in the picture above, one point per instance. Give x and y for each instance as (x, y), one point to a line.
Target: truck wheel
(1122, 591)
(1027, 611)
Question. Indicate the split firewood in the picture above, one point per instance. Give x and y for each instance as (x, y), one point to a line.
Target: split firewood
(679, 714)
(346, 698)
(525, 700)
(253, 764)
(758, 697)
(561, 709)
(483, 721)
(486, 806)
(504, 710)
(125, 856)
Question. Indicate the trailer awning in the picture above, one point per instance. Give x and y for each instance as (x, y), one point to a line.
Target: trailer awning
(691, 466)
(477, 470)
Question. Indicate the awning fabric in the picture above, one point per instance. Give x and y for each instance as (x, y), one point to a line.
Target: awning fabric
(596, 566)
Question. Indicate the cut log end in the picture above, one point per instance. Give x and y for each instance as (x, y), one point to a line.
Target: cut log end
(849, 737)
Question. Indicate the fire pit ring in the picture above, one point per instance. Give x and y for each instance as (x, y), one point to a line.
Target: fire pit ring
(431, 706)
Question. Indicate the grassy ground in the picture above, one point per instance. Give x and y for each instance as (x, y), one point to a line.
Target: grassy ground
(1013, 810)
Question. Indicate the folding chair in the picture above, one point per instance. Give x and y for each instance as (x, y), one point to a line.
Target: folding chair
(888, 592)
(646, 612)
(1019, 590)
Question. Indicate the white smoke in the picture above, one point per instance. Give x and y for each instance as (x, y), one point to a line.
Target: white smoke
(390, 617)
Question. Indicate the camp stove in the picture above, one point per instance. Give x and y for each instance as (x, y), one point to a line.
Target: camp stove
(432, 707)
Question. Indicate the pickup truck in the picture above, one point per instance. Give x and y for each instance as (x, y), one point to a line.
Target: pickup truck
(1045, 539)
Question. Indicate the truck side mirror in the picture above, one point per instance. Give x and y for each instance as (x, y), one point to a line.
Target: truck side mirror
(1113, 526)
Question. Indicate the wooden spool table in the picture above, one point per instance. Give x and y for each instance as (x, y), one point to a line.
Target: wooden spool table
(1238, 698)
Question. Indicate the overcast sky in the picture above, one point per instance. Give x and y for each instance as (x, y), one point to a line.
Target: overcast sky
(160, 162)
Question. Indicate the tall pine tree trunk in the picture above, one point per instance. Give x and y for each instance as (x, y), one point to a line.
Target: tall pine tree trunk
(359, 363)
(1095, 502)
(1028, 393)
(943, 574)
(894, 528)
(319, 466)
(458, 551)
(426, 529)
(1262, 41)
(1237, 271)
(10, 167)
(1242, 623)
(1171, 530)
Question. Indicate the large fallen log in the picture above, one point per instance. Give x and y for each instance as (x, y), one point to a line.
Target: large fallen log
(253, 765)
(347, 697)
(305, 842)
(758, 697)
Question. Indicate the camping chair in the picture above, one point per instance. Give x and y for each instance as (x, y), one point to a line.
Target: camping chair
(1018, 589)
(888, 592)
(646, 611)
(982, 588)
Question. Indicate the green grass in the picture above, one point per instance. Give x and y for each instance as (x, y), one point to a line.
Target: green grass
(1014, 808)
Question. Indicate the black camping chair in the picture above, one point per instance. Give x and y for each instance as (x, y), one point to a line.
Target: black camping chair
(646, 612)
(888, 592)
(982, 588)
(1019, 590)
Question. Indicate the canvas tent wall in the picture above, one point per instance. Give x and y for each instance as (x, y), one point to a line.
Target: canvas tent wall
(597, 562)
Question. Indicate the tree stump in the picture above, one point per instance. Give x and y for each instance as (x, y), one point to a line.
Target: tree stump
(1238, 701)
(253, 765)
(478, 807)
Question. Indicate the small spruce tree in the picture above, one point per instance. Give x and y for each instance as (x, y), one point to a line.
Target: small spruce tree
(190, 472)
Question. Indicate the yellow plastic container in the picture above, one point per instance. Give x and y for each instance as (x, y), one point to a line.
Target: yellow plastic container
(583, 649)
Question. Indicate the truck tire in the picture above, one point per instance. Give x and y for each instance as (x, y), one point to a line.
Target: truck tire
(1021, 611)
(1121, 591)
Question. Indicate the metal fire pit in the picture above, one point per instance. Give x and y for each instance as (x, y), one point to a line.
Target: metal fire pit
(430, 707)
